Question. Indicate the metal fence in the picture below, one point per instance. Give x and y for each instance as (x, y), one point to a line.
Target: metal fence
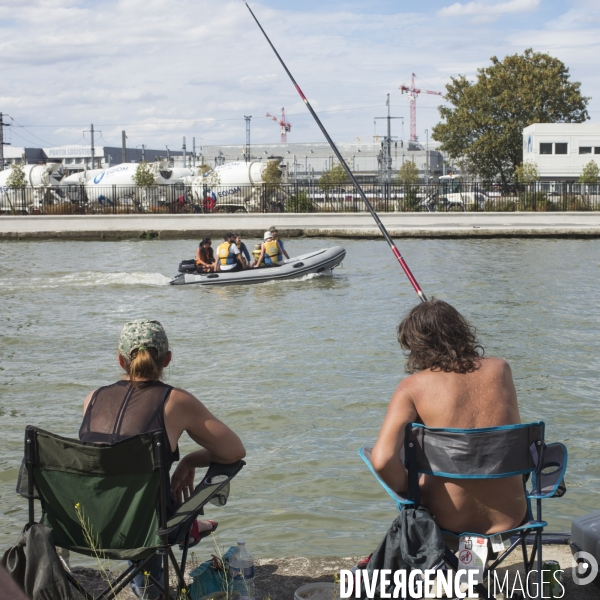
(446, 196)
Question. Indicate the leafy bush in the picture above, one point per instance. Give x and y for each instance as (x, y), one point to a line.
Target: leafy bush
(411, 202)
(300, 203)
(16, 180)
(143, 176)
(579, 203)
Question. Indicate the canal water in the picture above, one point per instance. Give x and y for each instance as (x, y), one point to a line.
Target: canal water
(302, 370)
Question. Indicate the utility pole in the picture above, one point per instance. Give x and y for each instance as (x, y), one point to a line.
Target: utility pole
(386, 145)
(123, 147)
(2, 142)
(194, 152)
(91, 131)
(247, 137)
(184, 152)
(143, 147)
(427, 156)
(168, 155)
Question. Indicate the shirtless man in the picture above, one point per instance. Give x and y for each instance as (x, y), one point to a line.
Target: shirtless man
(451, 385)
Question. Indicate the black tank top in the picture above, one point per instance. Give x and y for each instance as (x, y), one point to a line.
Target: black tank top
(119, 411)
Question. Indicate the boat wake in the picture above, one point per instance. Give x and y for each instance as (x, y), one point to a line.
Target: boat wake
(87, 279)
(306, 277)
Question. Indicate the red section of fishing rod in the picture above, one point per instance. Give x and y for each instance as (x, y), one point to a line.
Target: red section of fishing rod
(409, 274)
(383, 230)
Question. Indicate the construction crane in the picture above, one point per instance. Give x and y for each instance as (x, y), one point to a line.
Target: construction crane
(413, 92)
(285, 125)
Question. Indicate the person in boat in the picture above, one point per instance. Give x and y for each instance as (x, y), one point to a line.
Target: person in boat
(242, 248)
(205, 257)
(270, 252)
(451, 384)
(229, 258)
(140, 403)
(275, 235)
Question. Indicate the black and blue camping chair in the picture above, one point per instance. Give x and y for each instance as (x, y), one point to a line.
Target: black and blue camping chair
(488, 453)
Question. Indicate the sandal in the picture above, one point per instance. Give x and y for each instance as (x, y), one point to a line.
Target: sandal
(196, 535)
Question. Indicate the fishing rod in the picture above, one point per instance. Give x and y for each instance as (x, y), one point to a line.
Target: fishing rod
(383, 230)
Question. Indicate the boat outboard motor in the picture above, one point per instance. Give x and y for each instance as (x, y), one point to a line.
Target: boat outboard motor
(188, 266)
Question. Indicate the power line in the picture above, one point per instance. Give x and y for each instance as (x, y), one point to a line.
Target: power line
(198, 120)
(29, 132)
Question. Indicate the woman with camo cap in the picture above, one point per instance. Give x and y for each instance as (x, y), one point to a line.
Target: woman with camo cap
(140, 403)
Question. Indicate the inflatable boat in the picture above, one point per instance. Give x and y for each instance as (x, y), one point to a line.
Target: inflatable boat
(320, 261)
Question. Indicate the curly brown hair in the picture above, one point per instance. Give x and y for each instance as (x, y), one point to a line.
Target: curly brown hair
(439, 338)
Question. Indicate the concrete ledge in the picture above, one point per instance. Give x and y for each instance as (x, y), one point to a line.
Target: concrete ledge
(344, 225)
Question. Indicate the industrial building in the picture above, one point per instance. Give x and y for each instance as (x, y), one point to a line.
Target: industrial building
(302, 161)
(307, 161)
(77, 158)
(561, 150)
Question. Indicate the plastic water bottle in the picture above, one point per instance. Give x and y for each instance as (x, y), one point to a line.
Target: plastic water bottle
(241, 568)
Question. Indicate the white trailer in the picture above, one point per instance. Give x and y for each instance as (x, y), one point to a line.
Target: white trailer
(234, 187)
(40, 179)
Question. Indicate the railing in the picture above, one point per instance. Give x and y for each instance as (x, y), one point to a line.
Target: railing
(444, 196)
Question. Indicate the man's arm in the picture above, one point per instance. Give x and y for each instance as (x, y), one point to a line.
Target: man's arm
(283, 249)
(245, 251)
(385, 457)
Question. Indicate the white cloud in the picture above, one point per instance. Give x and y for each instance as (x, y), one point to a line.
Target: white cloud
(485, 9)
(196, 67)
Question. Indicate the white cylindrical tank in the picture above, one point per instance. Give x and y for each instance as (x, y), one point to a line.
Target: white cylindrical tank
(117, 186)
(235, 185)
(36, 175)
(39, 181)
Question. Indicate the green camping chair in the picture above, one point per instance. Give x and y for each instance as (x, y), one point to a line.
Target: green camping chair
(110, 501)
(487, 453)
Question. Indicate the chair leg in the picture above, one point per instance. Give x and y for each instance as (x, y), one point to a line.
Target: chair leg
(539, 563)
(78, 587)
(166, 574)
(123, 580)
(179, 571)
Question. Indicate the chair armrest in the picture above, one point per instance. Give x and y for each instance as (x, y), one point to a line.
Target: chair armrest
(214, 487)
(551, 474)
(400, 500)
(23, 483)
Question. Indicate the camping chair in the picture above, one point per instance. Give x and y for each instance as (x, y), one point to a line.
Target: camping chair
(488, 453)
(109, 501)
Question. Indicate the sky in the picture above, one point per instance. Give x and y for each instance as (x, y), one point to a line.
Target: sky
(163, 70)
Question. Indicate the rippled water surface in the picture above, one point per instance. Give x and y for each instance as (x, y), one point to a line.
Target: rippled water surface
(302, 370)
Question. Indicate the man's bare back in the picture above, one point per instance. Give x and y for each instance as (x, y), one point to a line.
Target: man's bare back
(483, 397)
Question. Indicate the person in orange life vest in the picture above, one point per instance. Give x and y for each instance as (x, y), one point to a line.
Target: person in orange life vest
(205, 257)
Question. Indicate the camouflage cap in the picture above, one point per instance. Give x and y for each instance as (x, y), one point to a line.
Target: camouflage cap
(143, 333)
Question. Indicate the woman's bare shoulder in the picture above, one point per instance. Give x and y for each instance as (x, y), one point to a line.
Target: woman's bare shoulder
(181, 396)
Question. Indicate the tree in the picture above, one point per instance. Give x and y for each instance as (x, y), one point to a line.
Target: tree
(203, 169)
(408, 173)
(272, 174)
(143, 176)
(485, 120)
(335, 176)
(590, 173)
(527, 172)
(16, 180)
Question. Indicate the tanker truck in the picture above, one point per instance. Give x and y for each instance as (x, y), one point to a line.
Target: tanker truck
(37, 192)
(235, 187)
(116, 187)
